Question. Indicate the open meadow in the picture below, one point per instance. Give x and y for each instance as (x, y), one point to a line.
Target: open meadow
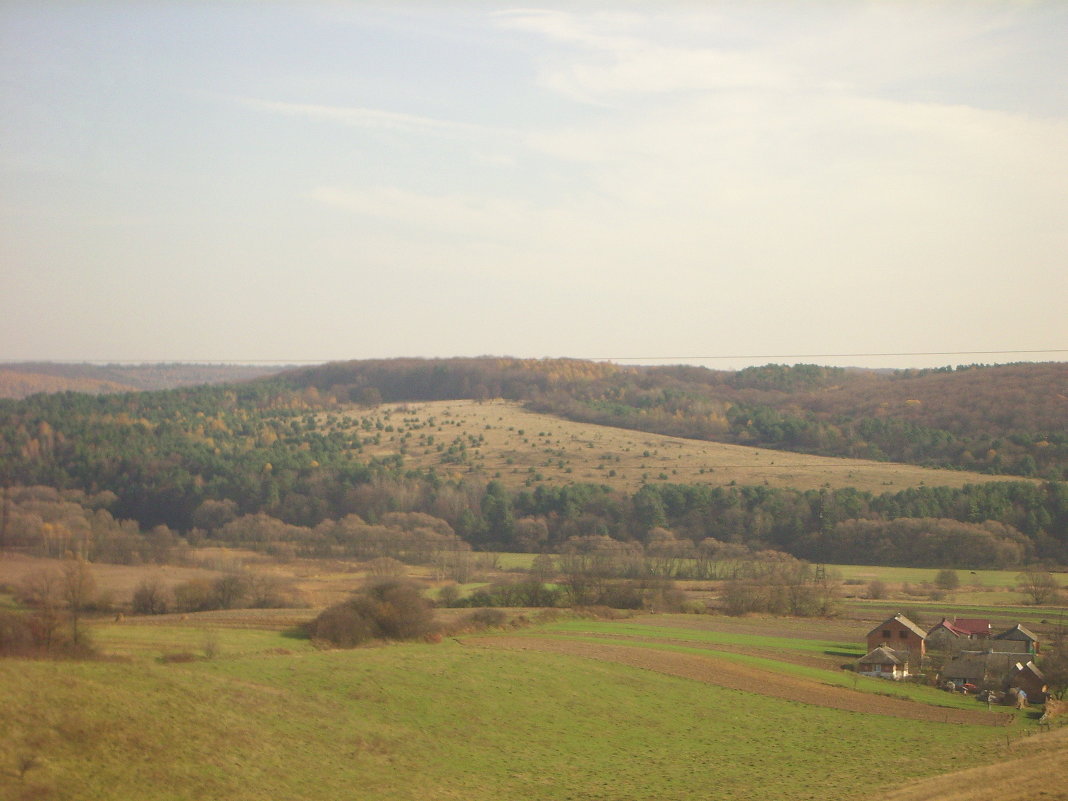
(501, 439)
(235, 705)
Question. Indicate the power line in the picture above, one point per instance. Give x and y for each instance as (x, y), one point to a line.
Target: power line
(718, 357)
(834, 355)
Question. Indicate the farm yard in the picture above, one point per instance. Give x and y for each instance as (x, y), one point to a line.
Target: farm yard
(541, 703)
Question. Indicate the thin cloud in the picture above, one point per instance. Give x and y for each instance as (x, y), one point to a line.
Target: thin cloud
(620, 64)
(371, 118)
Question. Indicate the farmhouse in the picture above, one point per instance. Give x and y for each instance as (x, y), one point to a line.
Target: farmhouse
(902, 636)
(945, 636)
(952, 636)
(884, 663)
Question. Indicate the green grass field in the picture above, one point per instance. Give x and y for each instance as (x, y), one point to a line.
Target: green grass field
(271, 717)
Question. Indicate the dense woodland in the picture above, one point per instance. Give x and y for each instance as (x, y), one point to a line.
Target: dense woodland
(270, 464)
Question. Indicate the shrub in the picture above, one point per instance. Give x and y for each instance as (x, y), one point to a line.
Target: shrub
(947, 580)
(449, 595)
(195, 595)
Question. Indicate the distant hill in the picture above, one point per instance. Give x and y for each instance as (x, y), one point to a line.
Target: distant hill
(23, 379)
(1007, 419)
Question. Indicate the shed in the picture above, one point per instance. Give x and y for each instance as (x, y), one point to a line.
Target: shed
(1029, 679)
(883, 663)
(984, 669)
(1017, 639)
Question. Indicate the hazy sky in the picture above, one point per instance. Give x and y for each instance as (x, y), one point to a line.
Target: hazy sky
(333, 180)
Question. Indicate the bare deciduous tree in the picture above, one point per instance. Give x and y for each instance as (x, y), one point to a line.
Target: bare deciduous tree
(78, 588)
(1040, 585)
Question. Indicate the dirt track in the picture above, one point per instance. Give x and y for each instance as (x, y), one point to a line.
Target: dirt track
(725, 673)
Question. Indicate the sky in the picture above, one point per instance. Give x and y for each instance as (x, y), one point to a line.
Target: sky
(881, 184)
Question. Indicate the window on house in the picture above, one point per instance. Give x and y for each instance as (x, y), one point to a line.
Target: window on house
(903, 635)
(886, 633)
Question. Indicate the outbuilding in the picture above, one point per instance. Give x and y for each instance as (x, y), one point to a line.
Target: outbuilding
(884, 663)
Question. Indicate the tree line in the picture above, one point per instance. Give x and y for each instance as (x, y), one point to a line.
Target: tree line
(417, 519)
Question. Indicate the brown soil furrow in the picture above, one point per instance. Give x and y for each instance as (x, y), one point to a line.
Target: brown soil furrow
(793, 657)
(724, 673)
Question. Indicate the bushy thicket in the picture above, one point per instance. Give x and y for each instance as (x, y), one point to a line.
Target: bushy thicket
(528, 592)
(931, 542)
(387, 610)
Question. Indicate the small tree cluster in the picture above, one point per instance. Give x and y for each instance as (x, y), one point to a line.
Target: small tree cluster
(232, 591)
(781, 587)
(57, 601)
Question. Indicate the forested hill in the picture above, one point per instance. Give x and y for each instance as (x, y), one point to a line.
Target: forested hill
(20, 380)
(290, 462)
(1009, 419)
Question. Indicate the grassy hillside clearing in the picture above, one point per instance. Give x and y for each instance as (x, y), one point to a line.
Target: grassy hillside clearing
(522, 448)
(271, 718)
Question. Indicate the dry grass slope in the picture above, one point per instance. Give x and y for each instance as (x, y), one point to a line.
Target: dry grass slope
(1036, 770)
(500, 439)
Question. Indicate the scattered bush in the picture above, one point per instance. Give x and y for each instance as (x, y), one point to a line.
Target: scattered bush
(180, 656)
(486, 618)
(385, 567)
